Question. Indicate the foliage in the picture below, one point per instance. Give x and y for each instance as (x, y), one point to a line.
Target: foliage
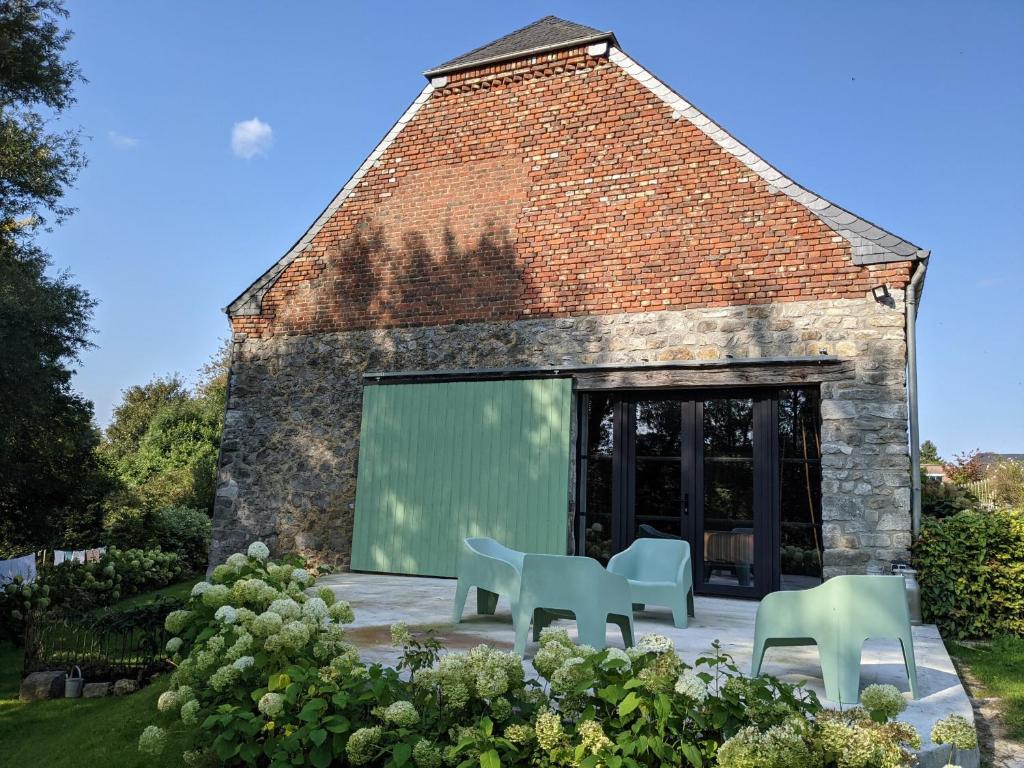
(266, 676)
(1008, 483)
(181, 530)
(46, 434)
(162, 445)
(940, 499)
(965, 468)
(118, 573)
(930, 453)
(998, 668)
(971, 571)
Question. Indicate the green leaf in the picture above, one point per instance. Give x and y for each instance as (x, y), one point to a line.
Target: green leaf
(321, 756)
(401, 753)
(612, 693)
(490, 759)
(690, 752)
(318, 736)
(277, 682)
(628, 704)
(311, 711)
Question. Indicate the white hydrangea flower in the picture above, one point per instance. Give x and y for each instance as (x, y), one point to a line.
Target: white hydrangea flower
(315, 608)
(259, 550)
(617, 654)
(226, 613)
(655, 644)
(301, 576)
(174, 644)
(266, 624)
(271, 704)
(402, 713)
(691, 686)
(153, 740)
(286, 608)
(242, 663)
(190, 712)
(176, 621)
(168, 700)
(341, 612)
(237, 561)
(200, 588)
(216, 596)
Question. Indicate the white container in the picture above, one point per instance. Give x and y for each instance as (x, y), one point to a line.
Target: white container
(913, 591)
(73, 684)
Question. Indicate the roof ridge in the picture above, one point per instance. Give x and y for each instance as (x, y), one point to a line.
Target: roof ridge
(871, 244)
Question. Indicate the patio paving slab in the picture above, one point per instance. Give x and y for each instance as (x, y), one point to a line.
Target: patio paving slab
(380, 600)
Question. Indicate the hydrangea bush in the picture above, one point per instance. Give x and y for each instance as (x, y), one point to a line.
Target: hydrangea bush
(266, 677)
(117, 574)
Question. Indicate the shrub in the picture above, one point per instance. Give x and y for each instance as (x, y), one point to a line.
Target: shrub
(266, 676)
(182, 530)
(1008, 483)
(83, 586)
(945, 499)
(971, 570)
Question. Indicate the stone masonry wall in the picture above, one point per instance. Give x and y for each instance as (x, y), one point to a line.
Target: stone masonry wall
(290, 447)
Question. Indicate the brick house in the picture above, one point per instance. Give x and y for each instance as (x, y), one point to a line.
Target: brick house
(560, 306)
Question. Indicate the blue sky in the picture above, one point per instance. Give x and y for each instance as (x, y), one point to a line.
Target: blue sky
(907, 113)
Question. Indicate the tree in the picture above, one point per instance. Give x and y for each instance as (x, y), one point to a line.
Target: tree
(163, 442)
(46, 434)
(965, 468)
(929, 453)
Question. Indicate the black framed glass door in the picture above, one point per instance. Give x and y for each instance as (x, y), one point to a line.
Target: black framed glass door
(706, 467)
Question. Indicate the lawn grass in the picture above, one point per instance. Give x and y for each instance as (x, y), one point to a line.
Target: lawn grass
(74, 732)
(999, 667)
(180, 590)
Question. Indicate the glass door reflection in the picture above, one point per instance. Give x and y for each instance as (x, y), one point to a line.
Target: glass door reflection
(727, 526)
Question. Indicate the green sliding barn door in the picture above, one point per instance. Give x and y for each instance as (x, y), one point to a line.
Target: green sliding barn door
(442, 461)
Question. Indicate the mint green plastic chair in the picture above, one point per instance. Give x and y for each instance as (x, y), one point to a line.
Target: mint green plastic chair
(561, 586)
(838, 616)
(659, 572)
(493, 569)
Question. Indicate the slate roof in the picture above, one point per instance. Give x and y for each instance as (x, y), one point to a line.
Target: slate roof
(547, 34)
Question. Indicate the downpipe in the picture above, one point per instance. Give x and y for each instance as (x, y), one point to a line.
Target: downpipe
(912, 299)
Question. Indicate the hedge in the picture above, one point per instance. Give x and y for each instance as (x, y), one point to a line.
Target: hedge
(971, 570)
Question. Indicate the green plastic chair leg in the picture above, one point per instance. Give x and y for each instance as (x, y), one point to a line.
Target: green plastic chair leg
(461, 593)
(909, 662)
(680, 615)
(625, 625)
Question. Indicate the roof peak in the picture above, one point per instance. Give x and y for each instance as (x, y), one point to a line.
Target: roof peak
(547, 34)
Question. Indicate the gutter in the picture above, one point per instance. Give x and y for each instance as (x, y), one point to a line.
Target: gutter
(913, 298)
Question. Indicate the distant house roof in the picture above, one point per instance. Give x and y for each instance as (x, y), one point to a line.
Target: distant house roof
(989, 460)
(548, 34)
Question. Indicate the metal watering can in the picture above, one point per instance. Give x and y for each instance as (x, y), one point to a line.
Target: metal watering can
(74, 683)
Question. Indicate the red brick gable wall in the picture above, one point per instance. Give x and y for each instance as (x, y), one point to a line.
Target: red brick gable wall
(555, 188)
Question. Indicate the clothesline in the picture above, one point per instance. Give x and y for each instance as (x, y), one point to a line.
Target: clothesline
(26, 566)
(77, 555)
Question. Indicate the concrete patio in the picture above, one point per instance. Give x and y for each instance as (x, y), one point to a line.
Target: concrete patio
(379, 601)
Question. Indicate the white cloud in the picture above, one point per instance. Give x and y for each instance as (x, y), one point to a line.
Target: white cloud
(251, 138)
(121, 141)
